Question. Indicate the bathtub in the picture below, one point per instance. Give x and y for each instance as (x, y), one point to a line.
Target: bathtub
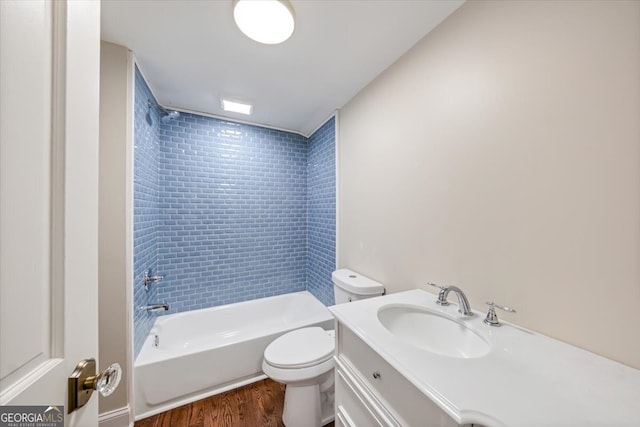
(204, 352)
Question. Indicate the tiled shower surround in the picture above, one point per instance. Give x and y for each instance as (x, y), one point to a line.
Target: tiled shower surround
(146, 218)
(321, 212)
(232, 212)
(240, 211)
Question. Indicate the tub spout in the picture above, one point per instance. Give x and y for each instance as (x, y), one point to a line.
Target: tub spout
(154, 307)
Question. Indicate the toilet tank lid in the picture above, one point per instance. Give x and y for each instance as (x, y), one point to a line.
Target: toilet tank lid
(356, 283)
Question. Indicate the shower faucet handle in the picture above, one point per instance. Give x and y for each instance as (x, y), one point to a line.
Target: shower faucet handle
(149, 278)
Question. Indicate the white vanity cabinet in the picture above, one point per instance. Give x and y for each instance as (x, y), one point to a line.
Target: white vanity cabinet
(369, 392)
(412, 376)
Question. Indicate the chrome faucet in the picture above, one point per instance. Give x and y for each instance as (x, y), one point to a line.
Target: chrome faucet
(463, 303)
(154, 307)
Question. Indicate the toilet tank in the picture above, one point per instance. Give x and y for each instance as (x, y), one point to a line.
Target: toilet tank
(351, 286)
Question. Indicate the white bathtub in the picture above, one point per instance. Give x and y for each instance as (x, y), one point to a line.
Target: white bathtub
(204, 352)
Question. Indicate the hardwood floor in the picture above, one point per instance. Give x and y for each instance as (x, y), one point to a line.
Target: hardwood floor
(254, 405)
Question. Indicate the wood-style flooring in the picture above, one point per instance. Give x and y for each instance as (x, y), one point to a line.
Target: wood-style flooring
(254, 405)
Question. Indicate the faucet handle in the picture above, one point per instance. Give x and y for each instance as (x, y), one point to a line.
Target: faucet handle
(492, 317)
(442, 297)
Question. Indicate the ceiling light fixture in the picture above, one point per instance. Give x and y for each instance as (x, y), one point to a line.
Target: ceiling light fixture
(236, 107)
(265, 21)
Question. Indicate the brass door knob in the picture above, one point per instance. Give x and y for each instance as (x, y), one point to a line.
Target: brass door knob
(83, 381)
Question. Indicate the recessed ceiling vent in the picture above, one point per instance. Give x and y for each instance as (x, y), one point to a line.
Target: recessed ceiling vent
(236, 107)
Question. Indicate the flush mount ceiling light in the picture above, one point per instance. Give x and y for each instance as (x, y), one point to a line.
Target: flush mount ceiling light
(236, 107)
(265, 21)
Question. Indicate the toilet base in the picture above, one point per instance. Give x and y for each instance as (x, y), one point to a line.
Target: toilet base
(302, 406)
(305, 406)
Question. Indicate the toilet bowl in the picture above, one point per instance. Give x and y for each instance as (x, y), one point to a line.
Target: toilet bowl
(303, 359)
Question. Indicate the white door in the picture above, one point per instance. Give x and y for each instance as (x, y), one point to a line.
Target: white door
(49, 98)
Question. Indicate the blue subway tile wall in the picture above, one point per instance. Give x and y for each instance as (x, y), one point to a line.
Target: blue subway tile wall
(146, 219)
(321, 212)
(233, 210)
(228, 212)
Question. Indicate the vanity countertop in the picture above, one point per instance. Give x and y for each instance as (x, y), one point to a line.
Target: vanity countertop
(526, 379)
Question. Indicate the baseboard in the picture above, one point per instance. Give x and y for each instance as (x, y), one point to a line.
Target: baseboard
(116, 418)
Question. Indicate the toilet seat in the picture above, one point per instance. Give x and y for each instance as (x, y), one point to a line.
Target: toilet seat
(301, 348)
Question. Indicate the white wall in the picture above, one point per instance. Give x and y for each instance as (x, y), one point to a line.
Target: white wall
(502, 154)
(115, 222)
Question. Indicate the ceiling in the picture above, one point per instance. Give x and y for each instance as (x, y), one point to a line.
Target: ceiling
(192, 54)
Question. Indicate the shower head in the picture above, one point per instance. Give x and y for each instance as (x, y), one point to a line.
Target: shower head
(167, 115)
(170, 115)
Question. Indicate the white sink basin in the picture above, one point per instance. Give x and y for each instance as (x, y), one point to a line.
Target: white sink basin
(431, 331)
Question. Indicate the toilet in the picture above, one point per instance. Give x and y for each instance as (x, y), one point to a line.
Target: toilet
(303, 359)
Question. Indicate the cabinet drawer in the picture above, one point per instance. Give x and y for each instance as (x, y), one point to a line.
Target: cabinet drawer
(403, 400)
(352, 409)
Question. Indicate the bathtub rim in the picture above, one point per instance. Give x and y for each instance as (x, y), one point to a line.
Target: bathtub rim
(154, 356)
